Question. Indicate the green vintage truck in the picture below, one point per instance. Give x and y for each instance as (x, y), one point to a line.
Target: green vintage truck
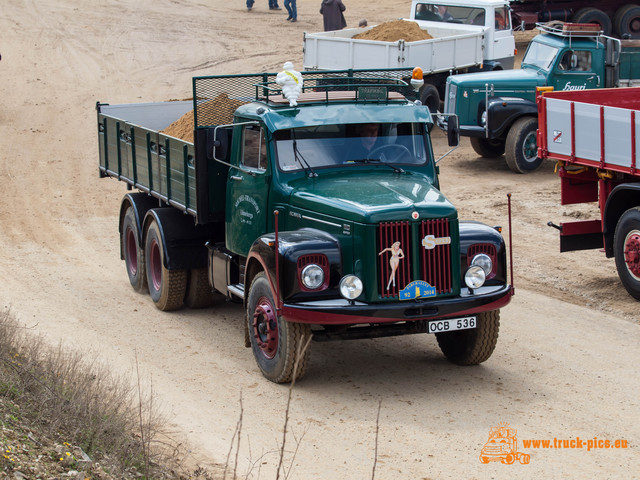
(498, 109)
(280, 208)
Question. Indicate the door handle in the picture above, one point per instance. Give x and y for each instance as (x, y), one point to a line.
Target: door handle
(236, 177)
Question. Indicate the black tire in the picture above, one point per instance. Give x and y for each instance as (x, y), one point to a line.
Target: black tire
(626, 21)
(430, 97)
(487, 147)
(626, 249)
(133, 252)
(593, 15)
(274, 341)
(166, 287)
(474, 346)
(199, 292)
(521, 150)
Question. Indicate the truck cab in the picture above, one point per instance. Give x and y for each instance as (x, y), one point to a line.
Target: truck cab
(498, 109)
(494, 16)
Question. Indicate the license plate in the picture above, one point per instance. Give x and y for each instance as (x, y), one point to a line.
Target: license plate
(452, 324)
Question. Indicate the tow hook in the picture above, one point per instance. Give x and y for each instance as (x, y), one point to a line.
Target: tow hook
(551, 224)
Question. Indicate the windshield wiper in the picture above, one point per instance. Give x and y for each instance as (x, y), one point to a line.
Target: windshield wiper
(377, 160)
(300, 159)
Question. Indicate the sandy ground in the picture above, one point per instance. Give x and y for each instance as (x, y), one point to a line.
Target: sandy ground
(566, 362)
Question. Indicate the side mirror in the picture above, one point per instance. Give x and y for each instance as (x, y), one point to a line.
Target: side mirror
(574, 61)
(453, 131)
(221, 143)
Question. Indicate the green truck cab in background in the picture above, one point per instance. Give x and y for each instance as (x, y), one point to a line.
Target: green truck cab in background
(498, 111)
(279, 207)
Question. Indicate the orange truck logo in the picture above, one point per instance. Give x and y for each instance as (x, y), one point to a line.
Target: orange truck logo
(502, 446)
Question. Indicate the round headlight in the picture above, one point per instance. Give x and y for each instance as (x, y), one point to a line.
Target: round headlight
(312, 276)
(474, 277)
(350, 287)
(483, 118)
(483, 261)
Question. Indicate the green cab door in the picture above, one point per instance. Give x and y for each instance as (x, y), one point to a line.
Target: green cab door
(575, 70)
(247, 191)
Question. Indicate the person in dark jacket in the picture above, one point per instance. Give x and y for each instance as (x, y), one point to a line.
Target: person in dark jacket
(331, 11)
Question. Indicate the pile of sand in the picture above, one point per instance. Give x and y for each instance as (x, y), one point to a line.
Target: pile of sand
(395, 30)
(218, 111)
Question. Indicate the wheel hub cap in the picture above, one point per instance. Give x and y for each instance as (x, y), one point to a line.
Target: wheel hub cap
(265, 328)
(632, 253)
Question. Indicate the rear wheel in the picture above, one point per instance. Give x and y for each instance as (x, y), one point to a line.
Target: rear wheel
(627, 21)
(593, 15)
(487, 147)
(522, 147)
(474, 346)
(274, 341)
(166, 287)
(133, 252)
(626, 248)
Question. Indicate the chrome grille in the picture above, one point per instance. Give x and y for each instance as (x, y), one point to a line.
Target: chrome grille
(434, 262)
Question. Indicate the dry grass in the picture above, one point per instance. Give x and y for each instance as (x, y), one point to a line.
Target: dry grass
(75, 415)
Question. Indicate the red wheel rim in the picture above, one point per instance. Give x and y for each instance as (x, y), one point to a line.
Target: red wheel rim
(132, 252)
(632, 253)
(265, 328)
(156, 265)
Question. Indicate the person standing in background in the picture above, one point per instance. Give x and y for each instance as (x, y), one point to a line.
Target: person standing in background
(332, 15)
(273, 5)
(290, 5)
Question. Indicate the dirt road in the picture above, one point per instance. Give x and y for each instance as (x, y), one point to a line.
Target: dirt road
(566, 361)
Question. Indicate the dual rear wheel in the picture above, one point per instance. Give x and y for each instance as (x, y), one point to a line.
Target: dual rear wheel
(147, 271)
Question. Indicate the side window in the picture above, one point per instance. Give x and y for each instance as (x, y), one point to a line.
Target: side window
(503, 18)
(583, 61)
(576, 61)
(254, 149)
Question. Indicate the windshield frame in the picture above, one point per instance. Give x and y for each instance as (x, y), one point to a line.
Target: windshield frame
(541, 62)
(322, 147)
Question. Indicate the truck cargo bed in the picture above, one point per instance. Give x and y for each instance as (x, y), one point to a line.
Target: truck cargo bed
(451, 48)
(597, 128)
(133, 150)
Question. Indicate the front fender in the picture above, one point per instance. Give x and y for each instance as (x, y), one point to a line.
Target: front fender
(476, 237)
(296, 249)
(502, 112)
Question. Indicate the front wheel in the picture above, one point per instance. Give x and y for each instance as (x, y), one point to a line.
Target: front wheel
(487, 147)
(473, 346)
(626, 248)
(274, 341)
(522, 146)
(166, 287)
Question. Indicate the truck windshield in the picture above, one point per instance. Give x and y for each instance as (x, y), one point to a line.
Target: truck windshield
(460, 14)
(350, 145)
(540, 55)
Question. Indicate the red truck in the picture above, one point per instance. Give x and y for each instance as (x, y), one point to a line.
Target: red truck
(619, 17)
(594, 135)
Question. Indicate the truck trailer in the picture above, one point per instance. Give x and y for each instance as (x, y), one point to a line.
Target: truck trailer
(273, 204)
(594, 135)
